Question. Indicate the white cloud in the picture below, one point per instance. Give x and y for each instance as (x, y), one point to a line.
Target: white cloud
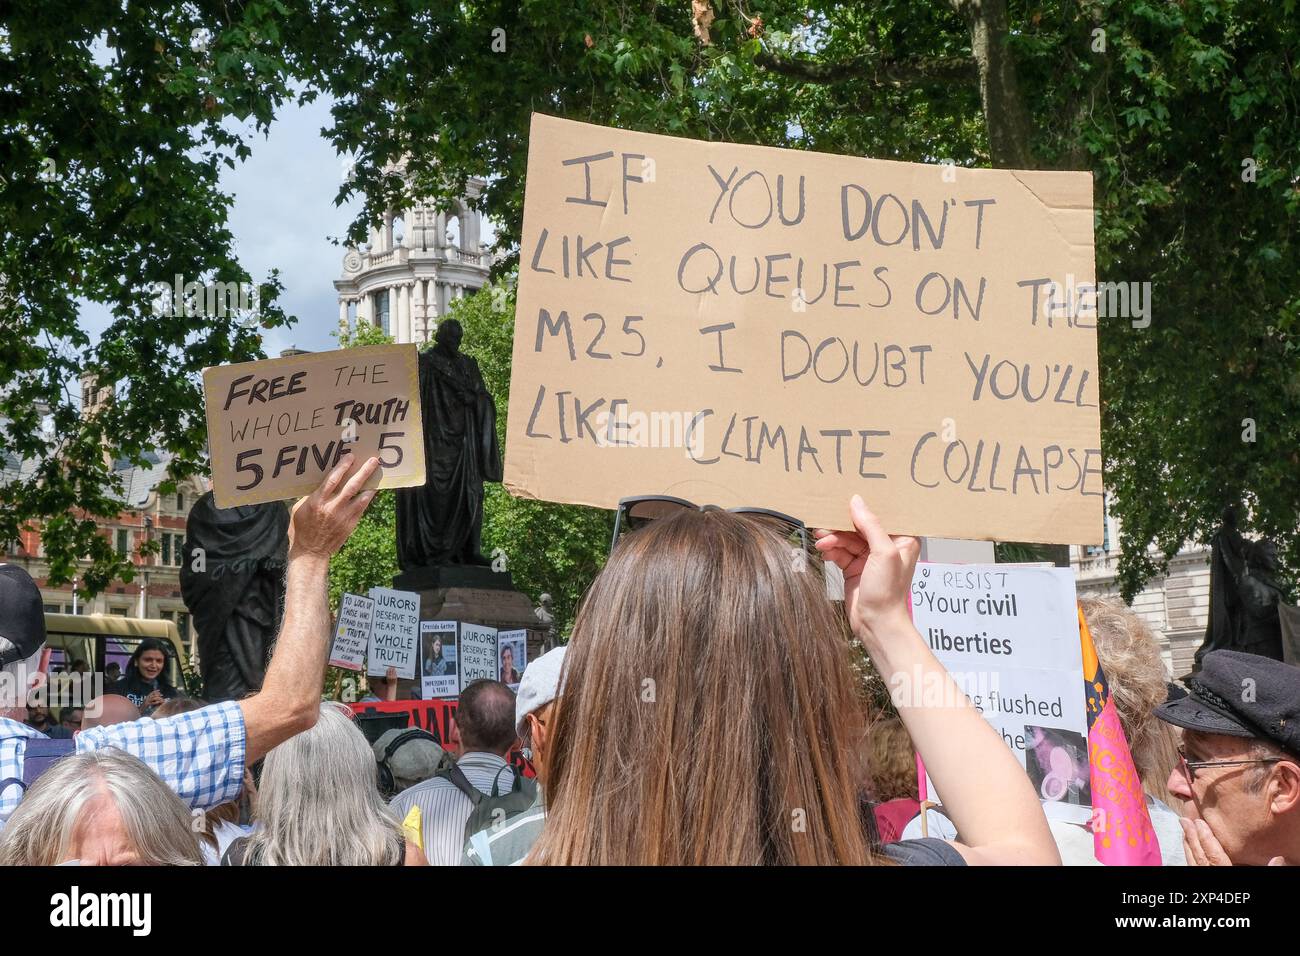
(283, 217)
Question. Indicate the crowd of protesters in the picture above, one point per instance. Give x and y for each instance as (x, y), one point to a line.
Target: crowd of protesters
(704, 711)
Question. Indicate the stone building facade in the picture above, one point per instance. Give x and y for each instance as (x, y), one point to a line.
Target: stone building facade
(148, 515)
(1175, 604)
(415, 264)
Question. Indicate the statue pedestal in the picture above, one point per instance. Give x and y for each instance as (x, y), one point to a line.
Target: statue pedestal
(454, 576)
(503, 609)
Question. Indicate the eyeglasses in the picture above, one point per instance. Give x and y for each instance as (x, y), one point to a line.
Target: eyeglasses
(638, 511)
(1191, 766)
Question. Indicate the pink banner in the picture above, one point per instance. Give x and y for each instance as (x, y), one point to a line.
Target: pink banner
(1121, 826)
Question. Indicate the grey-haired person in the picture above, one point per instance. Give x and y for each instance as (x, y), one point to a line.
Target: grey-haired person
(318, 804)
(100, 808)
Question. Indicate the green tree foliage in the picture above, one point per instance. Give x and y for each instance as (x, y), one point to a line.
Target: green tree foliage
(452, 87)
(1183, 111)
(548, 548)
(113, 129)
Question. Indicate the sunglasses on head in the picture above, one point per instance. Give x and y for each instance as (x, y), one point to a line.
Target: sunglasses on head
(638, 511)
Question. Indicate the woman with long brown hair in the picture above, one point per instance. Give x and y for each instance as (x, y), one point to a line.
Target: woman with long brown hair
(709, 712)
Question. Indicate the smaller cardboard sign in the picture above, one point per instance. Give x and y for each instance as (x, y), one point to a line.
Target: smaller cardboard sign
(512, 656)
(438, 660)
(352, 633)
(394, 633)
(277, 427)
(477, 649)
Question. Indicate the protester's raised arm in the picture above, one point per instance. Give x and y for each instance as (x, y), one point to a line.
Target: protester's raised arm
(985, 790)
(289, 701)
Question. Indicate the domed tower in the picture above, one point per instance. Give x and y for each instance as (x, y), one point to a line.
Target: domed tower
(415, 263)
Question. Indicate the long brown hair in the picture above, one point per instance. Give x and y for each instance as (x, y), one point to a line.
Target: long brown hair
(708, 713)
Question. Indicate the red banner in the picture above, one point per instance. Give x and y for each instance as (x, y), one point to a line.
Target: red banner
(438, 717)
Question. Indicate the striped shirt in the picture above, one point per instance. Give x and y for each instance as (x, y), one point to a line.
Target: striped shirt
(444, 810)
(200, 755)
(509, 843)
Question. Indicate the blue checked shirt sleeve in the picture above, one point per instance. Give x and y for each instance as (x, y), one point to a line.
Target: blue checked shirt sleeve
(13, 743)
(200, 755)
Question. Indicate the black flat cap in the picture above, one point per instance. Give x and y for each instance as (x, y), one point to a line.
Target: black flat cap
(1242, 695)
(22, 615)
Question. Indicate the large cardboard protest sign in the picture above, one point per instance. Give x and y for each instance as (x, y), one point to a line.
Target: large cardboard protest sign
(477, 650)
(276, 427)
(742, 325)
(1009, 636)
(394, 632)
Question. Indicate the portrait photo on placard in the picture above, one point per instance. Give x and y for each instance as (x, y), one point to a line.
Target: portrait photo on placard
(438, 659)
(512, 656)
(1057, 763)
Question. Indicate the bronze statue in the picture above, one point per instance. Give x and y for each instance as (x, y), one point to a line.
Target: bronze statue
(1244, 595)
(441, 523)
(233, 583)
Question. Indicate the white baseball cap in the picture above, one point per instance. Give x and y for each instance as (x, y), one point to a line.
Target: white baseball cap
(540, 684)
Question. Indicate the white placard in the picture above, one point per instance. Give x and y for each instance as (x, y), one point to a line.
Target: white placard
(352, 633)
(512, 656)
(1009, 636)
(477, 653)
(438, 660)
(395, 633)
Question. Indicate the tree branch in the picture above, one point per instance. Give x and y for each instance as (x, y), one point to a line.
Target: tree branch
(913, 71)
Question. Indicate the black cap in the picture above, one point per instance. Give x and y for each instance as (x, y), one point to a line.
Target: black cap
(1241, 695)
(22, 615)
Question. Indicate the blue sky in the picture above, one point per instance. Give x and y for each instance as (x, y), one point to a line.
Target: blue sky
(283, 217)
